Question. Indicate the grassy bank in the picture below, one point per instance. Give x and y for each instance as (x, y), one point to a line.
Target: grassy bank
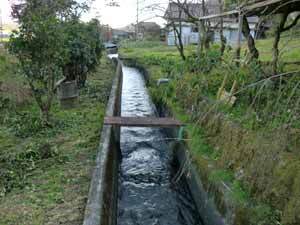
(289, 48)
(46, 171)
(261, 103)
(251, 147)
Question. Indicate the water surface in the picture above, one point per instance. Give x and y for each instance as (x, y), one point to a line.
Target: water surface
(147, 195)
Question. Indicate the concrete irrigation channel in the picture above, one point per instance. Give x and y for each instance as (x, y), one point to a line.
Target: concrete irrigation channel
(140, 177)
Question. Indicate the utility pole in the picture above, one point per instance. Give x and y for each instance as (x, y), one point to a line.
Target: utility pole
(1, 27)
(137, 19)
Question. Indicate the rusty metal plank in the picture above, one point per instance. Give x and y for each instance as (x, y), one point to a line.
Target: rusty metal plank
(142, 122)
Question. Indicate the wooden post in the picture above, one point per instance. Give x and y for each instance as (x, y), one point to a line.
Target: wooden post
(238, 47)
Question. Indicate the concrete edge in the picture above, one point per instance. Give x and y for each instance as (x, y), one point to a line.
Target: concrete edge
(97, 211)
(205, 204)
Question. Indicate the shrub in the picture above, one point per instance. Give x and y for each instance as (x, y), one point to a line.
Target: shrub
(51, 42)
(38, 45)
(84, 47)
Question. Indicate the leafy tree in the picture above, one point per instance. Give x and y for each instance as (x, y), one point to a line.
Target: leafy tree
(39, 45)
(84, 48)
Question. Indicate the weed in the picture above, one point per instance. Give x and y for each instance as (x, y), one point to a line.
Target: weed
(16, 166)
(221, 175)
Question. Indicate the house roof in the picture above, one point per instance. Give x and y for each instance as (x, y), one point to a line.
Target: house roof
(175, 13)
(149, 25)
(119, 32)
(129, 28)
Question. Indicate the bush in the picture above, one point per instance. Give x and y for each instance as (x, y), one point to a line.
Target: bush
(25, 124)
(51, 42)
(84, 47)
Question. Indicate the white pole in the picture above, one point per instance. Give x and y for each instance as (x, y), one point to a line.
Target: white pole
(1, 27)
(137, 19)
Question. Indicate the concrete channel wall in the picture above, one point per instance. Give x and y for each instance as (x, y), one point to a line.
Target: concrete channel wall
(101, 208)
(205, 203)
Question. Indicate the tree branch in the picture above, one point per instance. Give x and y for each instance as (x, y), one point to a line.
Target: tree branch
(184, 6)
(292, 24)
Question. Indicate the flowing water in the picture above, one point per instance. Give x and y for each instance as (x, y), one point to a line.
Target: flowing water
(147, 195)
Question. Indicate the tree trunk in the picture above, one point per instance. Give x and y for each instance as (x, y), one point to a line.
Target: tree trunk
(81, 80)
(178, 34)
(278, 30)
(45, 115)
(254, 54)
(238, 48)
(275, 52)
(222, 38)
(207, 39)
(204, 30)
(179, 45)
(202, 35)
(44, 100)
(199, 49)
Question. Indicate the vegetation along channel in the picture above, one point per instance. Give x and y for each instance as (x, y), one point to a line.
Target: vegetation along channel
(149, 112)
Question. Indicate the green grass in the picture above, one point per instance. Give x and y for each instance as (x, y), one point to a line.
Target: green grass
(54, 191)
(288, 46)
(136, 49)
(7, 66)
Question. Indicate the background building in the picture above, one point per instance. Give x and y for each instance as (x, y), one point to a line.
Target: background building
(190, 33)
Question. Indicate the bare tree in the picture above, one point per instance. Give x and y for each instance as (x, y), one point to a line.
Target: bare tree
(204, 26)
(204, 29)
(254, 54)
(178, 36)
(280, 28)
(177, 28)
(175, 20)
(222, 38)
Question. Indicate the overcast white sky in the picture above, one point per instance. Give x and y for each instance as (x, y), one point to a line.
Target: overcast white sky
(5, 9)
(114, 16)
